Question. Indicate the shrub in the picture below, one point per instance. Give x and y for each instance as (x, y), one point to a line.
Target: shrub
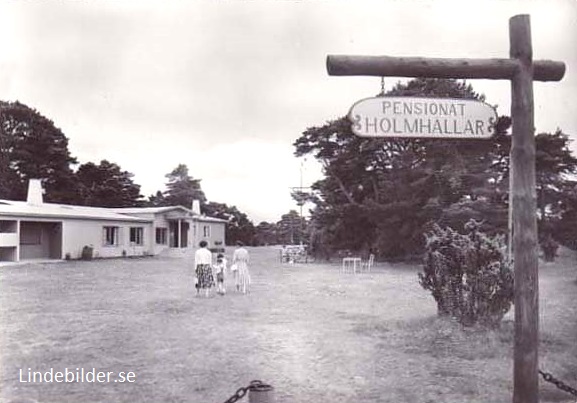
(468, 275)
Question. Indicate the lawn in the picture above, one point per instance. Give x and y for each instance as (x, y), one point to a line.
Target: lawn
(315, 334)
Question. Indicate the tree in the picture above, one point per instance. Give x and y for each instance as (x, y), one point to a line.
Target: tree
(107, 185)
(292, 229)
(383, 193)
(156, 200)
(555, 169)
(31, 146)
(266, 234)
(564, 228)
(238, 226)
(182, 188)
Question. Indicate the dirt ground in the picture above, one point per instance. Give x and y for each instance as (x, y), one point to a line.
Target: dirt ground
(313, 333)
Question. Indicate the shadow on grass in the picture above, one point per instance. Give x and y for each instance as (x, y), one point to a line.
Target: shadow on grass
(446, 342)
(439, 337)
(445, 338)
(442, 337)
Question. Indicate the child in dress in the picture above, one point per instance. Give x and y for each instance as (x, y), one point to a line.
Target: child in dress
(220, 268)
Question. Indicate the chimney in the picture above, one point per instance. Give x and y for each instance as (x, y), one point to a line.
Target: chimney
(196, 207)
(34, 192)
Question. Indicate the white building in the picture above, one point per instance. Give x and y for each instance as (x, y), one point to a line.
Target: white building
(36, 230)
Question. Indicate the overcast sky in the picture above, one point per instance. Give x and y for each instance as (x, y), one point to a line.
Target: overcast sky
(226, 87)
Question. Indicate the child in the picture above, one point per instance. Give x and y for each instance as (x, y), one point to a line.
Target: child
(220, 268)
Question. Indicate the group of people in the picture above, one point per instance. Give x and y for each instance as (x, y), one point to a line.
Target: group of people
(205, 270)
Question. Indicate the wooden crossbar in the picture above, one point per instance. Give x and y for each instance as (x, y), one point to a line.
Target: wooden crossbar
(388, 66)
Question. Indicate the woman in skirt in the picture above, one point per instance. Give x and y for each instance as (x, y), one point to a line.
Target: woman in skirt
(203, 265)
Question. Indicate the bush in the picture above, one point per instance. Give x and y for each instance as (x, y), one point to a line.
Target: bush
(468, 275)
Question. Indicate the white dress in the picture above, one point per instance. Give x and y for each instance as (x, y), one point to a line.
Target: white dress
(240, 258)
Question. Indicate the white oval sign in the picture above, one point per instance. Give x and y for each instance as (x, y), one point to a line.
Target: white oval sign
(422, 117)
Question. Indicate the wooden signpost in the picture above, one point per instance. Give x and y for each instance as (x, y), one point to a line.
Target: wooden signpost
(521, 70)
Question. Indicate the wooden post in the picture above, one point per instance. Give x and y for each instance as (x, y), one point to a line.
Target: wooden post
(510, 213)
(521, 70)
(526, 386)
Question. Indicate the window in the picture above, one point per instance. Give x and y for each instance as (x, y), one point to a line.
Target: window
(161, 236)
(206, 231)
(137, 235)
(8, 226)
(110, 235)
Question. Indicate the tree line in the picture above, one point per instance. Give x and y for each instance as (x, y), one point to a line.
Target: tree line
(384, 194)
(32, 146)
(379, 194)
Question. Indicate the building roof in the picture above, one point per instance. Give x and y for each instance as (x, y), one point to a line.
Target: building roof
(158, 210)
(52, 210)
(209, 219)
(146, 210)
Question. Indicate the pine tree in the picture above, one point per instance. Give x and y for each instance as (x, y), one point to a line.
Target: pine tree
(182, 188)
(107, 185)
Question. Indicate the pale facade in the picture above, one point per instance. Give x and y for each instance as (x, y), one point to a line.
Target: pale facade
(35, 230)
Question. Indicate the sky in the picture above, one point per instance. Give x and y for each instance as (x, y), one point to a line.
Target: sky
(226, 87)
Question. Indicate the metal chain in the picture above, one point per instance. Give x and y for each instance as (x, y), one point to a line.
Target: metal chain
(239, 394)
(549, 378)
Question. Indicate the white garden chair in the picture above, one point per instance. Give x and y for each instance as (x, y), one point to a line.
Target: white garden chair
(368, 264)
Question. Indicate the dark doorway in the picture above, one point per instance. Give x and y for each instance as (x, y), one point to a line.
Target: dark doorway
(40, 240)
(178, 239)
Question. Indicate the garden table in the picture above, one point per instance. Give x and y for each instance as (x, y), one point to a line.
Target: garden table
(351, 262)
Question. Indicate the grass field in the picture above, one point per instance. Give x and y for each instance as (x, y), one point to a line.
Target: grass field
(315, 334)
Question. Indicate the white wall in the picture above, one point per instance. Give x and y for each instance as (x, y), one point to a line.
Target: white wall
(159, 222)
(216, 233)
(9, 239)
(80, 233)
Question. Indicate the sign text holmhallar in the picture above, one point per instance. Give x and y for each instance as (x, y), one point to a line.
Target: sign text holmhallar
(422, 117)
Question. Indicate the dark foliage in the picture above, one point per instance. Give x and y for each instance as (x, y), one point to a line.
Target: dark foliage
(468, 275)
(32, 147)
(182, 188)
(381, 193)
(106, 185)
(238, 226)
